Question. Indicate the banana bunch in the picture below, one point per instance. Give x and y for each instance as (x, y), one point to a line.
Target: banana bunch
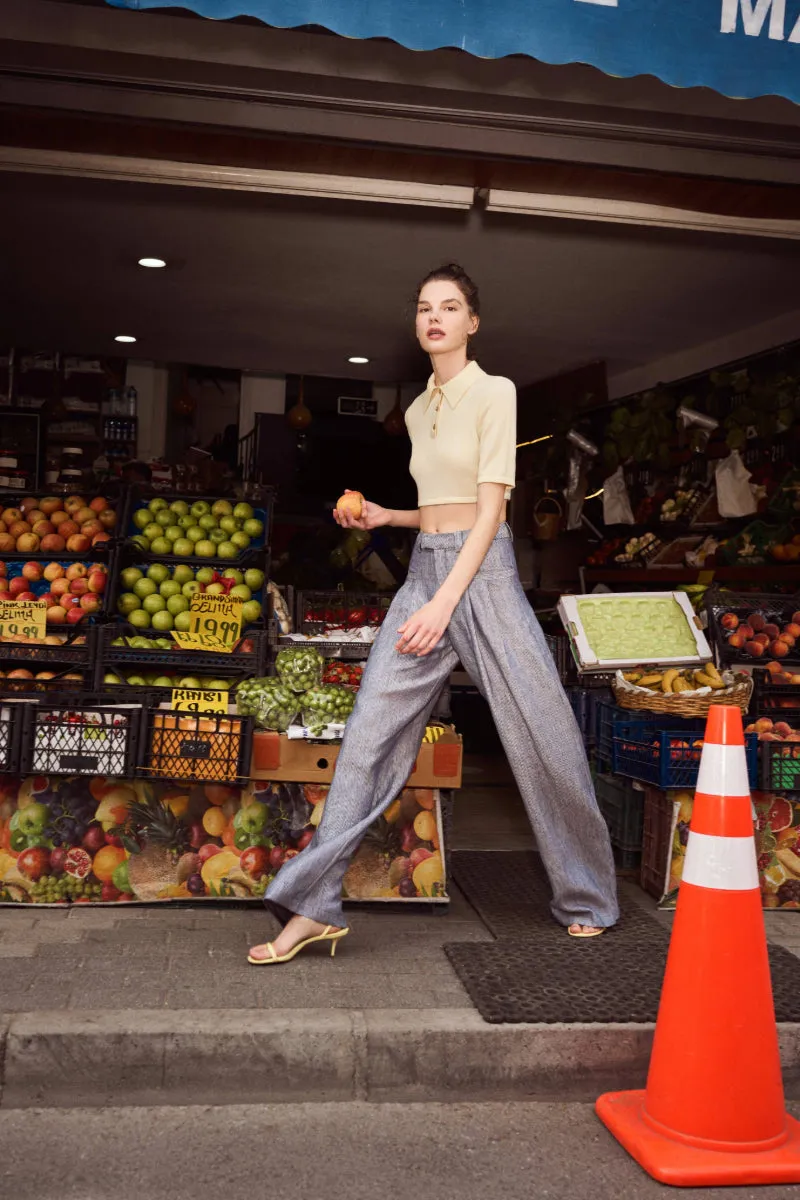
(675, 681)
(433, 732)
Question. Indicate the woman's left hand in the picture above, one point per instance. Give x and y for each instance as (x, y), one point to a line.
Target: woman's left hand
(423, 631)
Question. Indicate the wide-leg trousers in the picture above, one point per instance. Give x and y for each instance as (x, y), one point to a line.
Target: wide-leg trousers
(496, 637)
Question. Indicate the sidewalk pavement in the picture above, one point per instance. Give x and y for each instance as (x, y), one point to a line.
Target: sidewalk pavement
(132, 1004)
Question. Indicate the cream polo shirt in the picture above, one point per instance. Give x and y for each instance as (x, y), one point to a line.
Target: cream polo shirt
(463, 434)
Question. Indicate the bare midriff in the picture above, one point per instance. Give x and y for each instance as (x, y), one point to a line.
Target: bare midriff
(450, 518)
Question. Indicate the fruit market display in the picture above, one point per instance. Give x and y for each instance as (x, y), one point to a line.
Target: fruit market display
(196, 528)
(326, 704)
(755, 635)
(87, 739)
(328, 615)
(682, 505)
(56, 524)
(197, 747)
(94, 839)
(72, 591)
(639, 549)
(157, 597)
(775, 731)
(269, 701)
(300, 669)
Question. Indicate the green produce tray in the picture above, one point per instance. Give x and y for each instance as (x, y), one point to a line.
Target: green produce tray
(619, 630)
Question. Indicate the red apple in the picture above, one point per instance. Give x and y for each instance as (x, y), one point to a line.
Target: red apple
(90, 528)
(43, 527)
(20, 673)
(59, 586)
(4, 588)
(67, 528)
(79, 587)
(17, 584)
(97, 581)
(8, 544)
(101, 537)
(83, 514)
(10, 515)
(32, 571)
(90, 603)
(78, 543)
(46, 598)
(18, 528)
(94, 839)
(77, 570)
(49, 504)
(108, 518)
(73, 503)
(53, 543)
(56, 615)
(28, 502)
(208, 850)
(98, 504)
(28, 543)
(26, 596)
(52, 571)
(58, 517)
(75, 614)
(33, 516)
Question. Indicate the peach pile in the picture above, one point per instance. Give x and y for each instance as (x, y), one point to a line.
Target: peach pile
(759, 637)
(769, 731)
(55, 524)
(75, 591)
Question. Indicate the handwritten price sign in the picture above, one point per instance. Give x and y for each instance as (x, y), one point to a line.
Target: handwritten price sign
(199, 700)
(22, 619)
(215, 623)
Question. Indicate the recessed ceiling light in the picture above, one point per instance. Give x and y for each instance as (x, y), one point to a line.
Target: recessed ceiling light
(124, 337)
(357, 358)
(152, 262)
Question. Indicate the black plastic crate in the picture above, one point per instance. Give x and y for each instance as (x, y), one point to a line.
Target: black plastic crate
(42, 587)
(626, 860)
(613, 723)
(51, 679)
(579, 702)
(84, 736)
(329, 612)
(562, 656)
(668, 758)
(772, 699)
(202, 748)
(77, 649)
(248, 658)
(778, 610)
(101, 552)
(780, 766)
(622, 806)
(141, 497)
(11, 716)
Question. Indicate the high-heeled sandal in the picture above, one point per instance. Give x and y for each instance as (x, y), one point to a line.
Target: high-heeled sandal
(334, 936)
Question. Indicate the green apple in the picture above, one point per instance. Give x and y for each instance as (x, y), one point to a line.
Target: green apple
(152, 531)
(233, 573)
(120, 641)
(129, 577)
(179, 507)
(253, 528)
(205, 548)
(163, 621)
(217, 535)
(195, 533)
(251, 611)
(177, 604)
(157, 504)
(204, 574)
(243, 511)
(230, 524)
(228, 549)
(139, 618)
(162, 681)
(191, 588)
(221, 508)
(182, 622)
(136, 681)
(189, 681)
(254, 579)
(128, 603)
(154, 604)
(173, 533)
(214, 589)
(157, 572)
(186, 522)
(160, 545)
(111, 677)
(140, 643)
(142, 517)
(242, 591)
(182, 547)
(164, 518)
(200, 508)
(164, 643)
(183, 573)
(169, 588)
(241, 540)
(141, 542)
(218, 685)
(207, 521)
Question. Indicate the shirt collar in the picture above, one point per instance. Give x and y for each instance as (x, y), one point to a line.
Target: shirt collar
(456, 388)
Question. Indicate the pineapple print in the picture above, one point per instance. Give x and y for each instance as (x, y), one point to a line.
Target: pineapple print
(368, 874)
(154, 867)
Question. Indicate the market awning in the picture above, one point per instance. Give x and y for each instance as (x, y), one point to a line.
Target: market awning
(741, 48)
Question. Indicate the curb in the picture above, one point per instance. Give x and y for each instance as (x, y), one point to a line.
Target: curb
(142, 1057)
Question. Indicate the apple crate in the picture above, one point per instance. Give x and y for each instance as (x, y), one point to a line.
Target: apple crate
(75, 648)
(780, 766)
(249, 656)
(86, 736)
(140, 498)
(329, 613)
(99, 552)
(81, 574)
(774, 610)
(11, 715)
(200, 748)
(668, 758)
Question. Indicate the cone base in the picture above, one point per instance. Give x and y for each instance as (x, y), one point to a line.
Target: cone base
(674, 1163)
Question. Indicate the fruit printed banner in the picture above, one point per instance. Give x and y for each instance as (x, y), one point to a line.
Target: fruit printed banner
(98, 840)
(777, 833)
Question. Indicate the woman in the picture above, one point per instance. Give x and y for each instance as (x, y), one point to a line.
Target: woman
(462, 601)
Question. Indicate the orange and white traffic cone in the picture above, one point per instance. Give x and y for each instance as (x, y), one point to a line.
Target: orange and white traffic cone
(713, 1111)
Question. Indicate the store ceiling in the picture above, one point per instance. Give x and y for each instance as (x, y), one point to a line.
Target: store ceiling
(293, 285)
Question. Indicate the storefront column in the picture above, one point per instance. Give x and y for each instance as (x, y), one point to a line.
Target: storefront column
(151, 381)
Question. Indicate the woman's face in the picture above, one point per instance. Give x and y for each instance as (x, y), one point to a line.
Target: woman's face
(444, 322)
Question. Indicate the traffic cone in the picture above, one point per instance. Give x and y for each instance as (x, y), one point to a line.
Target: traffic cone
(713, 1111)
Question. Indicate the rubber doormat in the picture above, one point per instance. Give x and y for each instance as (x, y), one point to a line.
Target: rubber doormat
(535, 973)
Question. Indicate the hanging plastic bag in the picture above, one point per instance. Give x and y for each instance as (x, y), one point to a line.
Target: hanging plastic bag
(616, 502)
(734, 494)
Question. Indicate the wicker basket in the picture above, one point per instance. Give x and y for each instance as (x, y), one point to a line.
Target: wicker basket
(684, 704)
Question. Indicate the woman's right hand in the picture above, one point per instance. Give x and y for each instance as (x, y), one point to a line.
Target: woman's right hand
(372, 516)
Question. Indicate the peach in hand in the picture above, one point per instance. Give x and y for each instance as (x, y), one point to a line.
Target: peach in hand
(351, 503)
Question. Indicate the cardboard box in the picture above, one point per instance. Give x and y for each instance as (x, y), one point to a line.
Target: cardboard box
(276, 757)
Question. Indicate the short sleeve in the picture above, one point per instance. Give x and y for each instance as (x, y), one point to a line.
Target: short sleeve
(497, 435)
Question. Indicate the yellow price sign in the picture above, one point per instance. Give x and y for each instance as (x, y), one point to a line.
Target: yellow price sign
(215, 623)
(199, 700)
(705, 578)
(22, 619)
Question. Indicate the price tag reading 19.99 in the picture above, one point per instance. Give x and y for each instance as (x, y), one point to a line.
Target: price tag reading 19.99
(216, 617)
(22, 619)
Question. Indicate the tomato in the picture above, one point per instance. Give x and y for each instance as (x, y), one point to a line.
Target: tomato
(34, 863)
(357, 617)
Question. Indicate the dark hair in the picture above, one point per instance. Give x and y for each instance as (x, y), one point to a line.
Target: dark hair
(459, 276)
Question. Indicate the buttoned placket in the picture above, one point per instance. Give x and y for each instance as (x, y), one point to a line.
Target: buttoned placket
(440, 402)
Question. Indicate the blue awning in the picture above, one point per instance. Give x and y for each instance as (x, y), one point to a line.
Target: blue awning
(741, 48)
